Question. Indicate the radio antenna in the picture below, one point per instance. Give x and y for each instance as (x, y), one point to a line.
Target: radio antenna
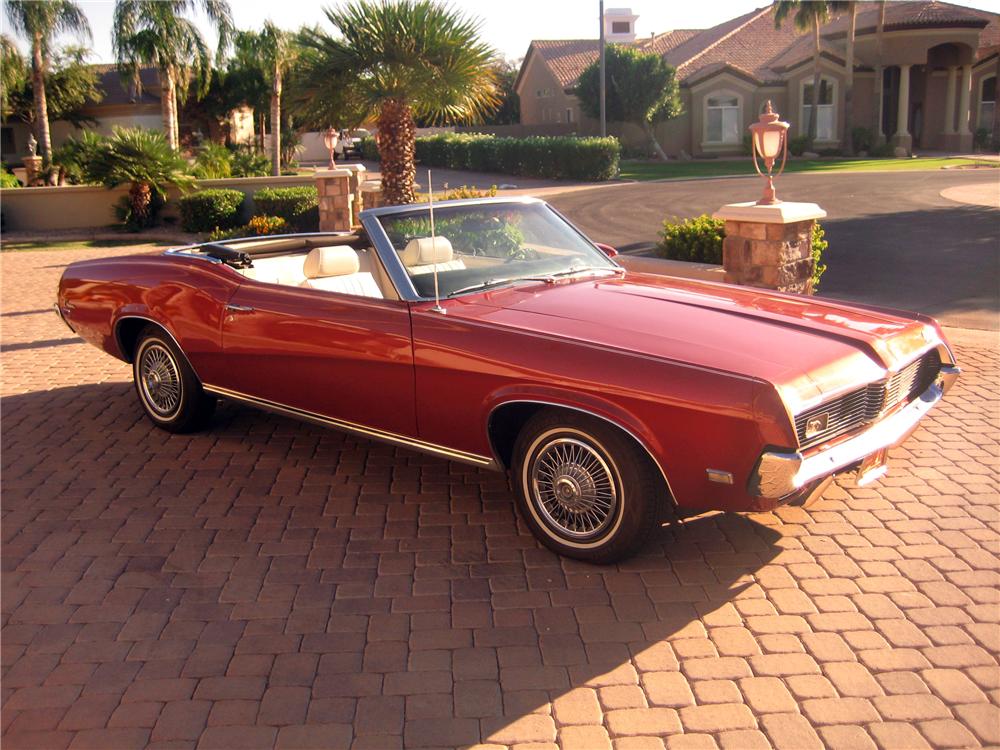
(430, 200)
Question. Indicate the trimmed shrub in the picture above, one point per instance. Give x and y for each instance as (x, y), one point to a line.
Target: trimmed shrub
(258, 226)
(983, 140)
(883, 151)
(368, 149)
(210, 209)
(299, 206)
(552, 157)
(798, 145)
(700, 239)
(862, 138)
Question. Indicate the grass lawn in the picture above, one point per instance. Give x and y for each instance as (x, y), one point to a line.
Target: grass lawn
(14, 247)
(644, 170)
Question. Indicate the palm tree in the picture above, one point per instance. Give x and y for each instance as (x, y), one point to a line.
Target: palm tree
(272, 51)
(144, 160)
(13, 73)
(809, 16)
(851, 8)
(154, 32)
(393, 62)
(39, 21)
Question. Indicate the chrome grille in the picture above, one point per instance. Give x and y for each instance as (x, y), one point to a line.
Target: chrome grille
(867, 403)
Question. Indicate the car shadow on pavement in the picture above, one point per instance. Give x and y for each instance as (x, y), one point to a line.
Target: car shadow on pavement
(280, 576)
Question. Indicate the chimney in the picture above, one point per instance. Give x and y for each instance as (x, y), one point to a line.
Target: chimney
(619, 25)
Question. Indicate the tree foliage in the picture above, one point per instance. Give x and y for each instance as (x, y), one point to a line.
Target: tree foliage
(640, 88)
(509, 110)
(39, 23)
(70, 84)
(810, 15)
(392, 62)
(155, 32)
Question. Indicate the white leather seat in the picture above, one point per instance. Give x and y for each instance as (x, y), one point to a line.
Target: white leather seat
(424, 254)
(336, 269)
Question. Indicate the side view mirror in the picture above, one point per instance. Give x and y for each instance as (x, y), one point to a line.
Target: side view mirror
(607, 249)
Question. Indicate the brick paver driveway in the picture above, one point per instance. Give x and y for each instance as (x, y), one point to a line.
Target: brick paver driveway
(270, 583)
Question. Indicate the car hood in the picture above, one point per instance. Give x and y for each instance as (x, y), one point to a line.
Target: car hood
(805, 346)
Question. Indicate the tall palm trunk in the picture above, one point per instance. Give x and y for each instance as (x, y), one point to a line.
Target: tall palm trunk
(167, 105)
(41, 107)
(849, 81)
(879, 78)
(175, 114)
(276, 122)
(814, 109)
(396, 140)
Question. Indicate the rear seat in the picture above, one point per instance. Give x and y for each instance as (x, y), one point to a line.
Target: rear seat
(285, 269)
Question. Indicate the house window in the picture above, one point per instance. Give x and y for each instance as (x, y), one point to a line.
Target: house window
(7, 146)
(722, 118)
(569, 115)
(620, 27)
(827, 111)
(987, 101)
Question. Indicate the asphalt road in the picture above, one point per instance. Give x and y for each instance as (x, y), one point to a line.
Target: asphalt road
(894, 240)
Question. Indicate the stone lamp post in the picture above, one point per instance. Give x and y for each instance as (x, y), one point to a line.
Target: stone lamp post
(769, 242)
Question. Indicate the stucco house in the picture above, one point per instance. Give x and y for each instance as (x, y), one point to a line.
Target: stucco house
(940, 63)
(123, 104)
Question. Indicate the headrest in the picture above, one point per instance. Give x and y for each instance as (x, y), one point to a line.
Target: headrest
(427, 250)
(330, 261)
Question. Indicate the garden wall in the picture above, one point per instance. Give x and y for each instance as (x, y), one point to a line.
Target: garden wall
(40, 209)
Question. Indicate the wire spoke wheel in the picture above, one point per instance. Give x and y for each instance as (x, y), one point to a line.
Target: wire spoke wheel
(574, 488)
(159, 380)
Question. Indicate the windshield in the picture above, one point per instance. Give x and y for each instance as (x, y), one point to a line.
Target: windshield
(489, 245)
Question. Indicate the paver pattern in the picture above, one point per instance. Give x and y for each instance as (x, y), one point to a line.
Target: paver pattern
(268, 583)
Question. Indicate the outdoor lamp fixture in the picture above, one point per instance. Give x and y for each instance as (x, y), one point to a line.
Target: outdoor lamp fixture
(331, 137)
(770, 140)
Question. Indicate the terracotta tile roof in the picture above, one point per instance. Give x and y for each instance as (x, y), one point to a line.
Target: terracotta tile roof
(663, 43)
(750, 45)
(566, 58)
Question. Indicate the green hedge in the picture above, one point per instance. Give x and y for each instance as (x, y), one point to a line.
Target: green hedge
(699, 240)
(211, 209)
(551, 157)
(299, 206)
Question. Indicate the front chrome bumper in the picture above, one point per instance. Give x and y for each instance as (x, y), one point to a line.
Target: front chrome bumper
(780, 474)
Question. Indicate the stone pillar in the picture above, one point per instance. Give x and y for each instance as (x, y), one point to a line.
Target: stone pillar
(949, 102)
(964, 93)
(769, 246)
(358, 174)
(32, 170)
(335, 200)
(902, 138)
(371, 190)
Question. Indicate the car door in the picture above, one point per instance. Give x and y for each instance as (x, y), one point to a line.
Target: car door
(336, 355)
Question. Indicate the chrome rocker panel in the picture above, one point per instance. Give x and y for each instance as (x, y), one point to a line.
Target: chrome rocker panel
(780, 474)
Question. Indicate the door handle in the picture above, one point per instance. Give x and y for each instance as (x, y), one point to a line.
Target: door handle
(238, 308)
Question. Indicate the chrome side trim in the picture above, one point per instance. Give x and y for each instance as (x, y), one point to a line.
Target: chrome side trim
(62, 317)
(642, 444)
(163, 328)
(357, 429)
(779, 474)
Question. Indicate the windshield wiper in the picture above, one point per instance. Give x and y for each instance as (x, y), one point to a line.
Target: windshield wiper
(586, 269)
(483, 285)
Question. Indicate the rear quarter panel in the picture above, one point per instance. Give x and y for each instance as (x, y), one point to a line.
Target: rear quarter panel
(184, 295)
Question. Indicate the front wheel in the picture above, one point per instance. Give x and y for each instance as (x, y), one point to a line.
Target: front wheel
(168, 389)
(584, 487)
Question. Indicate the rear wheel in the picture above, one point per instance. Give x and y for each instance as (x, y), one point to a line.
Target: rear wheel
(584, 487)
(168, 389)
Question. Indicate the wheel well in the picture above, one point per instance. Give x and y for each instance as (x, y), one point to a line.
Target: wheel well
(507, 421)
(127, 333)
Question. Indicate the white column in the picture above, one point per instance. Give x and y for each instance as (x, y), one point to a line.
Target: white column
(949, 102)
(903, 112)
(963, 100)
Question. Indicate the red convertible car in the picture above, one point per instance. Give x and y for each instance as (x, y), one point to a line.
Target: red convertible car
(605, 394)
